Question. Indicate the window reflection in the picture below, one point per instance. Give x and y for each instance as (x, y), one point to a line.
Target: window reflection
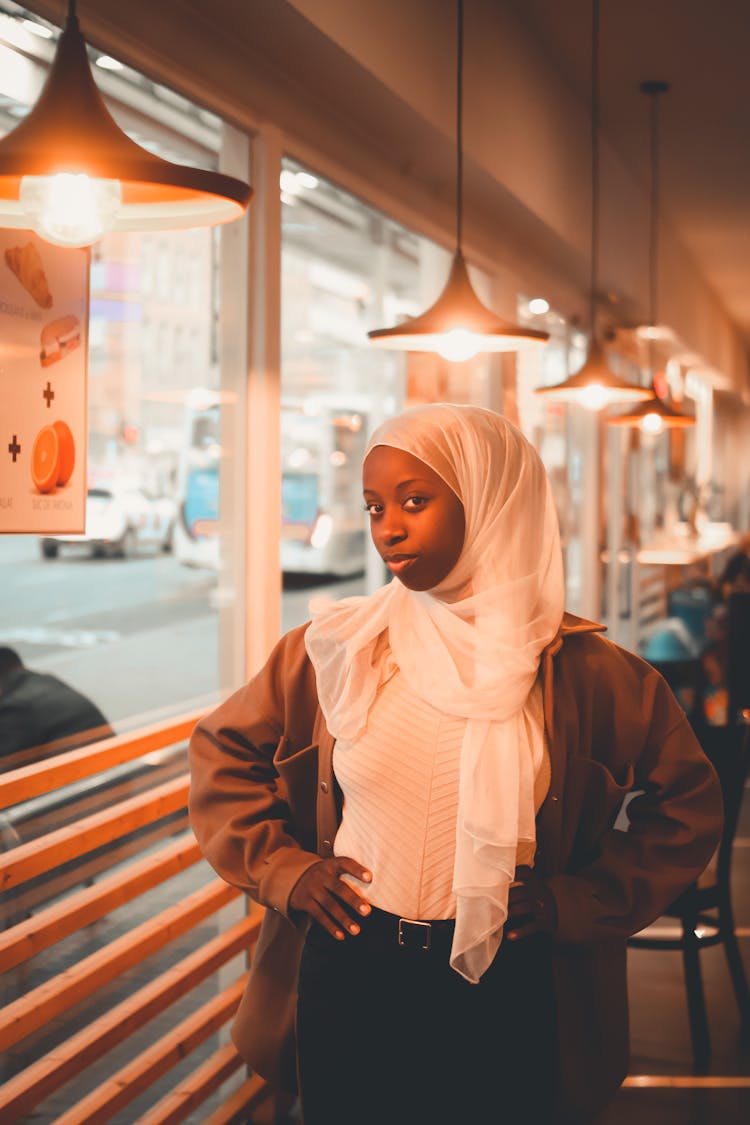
(126, 613)
(347, 268)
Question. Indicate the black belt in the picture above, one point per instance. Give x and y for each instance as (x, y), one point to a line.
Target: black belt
(391, 931)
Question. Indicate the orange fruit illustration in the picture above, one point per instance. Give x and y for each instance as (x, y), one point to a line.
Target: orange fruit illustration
(45, 459)
(67, 451)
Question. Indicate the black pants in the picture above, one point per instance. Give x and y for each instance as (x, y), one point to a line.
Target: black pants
(389, 1035)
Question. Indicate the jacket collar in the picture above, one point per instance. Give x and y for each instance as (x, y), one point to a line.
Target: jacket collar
(570, 626)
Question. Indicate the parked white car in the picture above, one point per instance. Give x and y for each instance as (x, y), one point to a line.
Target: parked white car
(119, 521)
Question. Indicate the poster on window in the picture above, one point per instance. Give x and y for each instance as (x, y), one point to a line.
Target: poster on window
(44, 298)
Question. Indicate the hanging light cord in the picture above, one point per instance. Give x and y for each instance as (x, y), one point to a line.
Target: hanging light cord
(594, 164)
(459, 124)
(654, 239)
(653, 89)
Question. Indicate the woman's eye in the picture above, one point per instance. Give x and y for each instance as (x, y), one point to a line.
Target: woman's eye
(415, 502)
(373, 509)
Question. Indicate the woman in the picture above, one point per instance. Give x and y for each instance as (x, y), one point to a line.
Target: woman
(422, 787)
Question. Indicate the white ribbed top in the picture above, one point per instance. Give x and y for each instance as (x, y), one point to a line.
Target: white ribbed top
(400, 786)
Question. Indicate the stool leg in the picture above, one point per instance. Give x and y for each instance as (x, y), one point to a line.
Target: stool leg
(734, 963)
(695, 998)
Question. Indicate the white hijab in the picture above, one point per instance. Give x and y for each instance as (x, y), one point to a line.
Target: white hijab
(493, 614)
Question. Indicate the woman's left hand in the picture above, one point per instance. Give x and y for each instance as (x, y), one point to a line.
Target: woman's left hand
(531, 906)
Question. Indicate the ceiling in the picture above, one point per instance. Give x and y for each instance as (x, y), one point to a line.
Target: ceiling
(702, 49)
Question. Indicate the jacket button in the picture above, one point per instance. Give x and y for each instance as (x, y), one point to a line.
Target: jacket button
(324, 786)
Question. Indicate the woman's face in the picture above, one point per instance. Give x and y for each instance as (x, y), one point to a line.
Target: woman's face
(416, 521)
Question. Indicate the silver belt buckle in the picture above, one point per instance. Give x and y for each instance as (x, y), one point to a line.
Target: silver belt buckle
(409, 935)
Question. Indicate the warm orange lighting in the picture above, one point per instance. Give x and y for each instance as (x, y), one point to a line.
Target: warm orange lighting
(652, 423)
(70, 208)
(594, 386)
(69, 172)
(458, 325)
(659, 333)
(653, 417)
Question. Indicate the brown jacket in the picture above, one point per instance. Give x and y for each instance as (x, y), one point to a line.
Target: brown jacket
(265, 807)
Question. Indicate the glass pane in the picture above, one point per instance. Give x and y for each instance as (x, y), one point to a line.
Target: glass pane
(347, 268)
(556, 430)
(120, 625)
(125, 615)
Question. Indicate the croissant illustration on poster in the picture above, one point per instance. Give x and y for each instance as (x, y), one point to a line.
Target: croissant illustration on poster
(26, 263)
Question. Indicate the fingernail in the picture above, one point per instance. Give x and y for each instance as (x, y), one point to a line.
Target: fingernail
(354, 928)
(339, 936)
(364, 908)
(367, 876)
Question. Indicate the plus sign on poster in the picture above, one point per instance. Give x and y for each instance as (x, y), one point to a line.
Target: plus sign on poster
(44, 297)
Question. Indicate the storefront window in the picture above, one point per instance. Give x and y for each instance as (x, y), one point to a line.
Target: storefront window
(556, 431)
(126, 613)
(347, 268)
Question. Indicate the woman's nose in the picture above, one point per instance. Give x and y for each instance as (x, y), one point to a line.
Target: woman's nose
(391, 530)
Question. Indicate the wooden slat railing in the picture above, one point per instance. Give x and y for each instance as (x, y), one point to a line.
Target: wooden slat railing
(193, 1092)
(72, 883)
(42, 777)
(38, 893)
(129, 1081)
(44, 1003)
(64, 918)
(71, 1058)
(34, 858)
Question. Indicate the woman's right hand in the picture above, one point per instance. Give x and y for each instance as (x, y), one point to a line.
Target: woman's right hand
(331, 901)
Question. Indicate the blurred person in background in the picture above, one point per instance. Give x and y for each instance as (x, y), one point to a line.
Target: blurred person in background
(41, 715)
(735, 578)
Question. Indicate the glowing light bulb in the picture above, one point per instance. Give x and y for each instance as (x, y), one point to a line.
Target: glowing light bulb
(594, 397)
(70, 209)
(652, 424)
(458, 345)
(321, 532)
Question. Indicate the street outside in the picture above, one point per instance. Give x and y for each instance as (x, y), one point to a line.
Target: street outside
(139, 636)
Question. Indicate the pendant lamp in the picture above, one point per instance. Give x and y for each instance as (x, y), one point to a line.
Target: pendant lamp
(654, 415)
(70, 173)
(594, 386)
(458, 325)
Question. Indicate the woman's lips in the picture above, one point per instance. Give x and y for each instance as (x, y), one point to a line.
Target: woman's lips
(398, 563)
